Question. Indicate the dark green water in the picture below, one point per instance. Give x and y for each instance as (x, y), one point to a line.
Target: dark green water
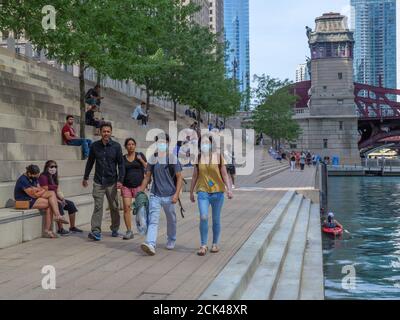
(369, 208)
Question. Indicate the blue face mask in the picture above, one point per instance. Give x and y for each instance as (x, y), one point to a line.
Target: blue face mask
(205, 148)
(162, 147)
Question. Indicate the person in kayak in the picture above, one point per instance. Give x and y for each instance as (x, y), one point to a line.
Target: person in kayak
(331, 223)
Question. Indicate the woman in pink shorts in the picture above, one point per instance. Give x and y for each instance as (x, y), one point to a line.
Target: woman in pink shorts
(135, 165)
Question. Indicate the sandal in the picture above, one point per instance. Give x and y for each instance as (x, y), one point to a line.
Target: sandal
(61, 220)
(49, 235)
(215, 248)
(202, 251)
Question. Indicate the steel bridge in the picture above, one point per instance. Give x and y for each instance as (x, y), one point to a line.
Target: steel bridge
(378, 111)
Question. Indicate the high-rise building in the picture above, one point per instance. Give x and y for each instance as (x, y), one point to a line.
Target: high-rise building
(201, 17)
(302, 73)
(217, 18)
(375, 52)
(236, 22)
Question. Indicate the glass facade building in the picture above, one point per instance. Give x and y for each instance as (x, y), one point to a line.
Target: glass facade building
(236, 29)
(375, 52)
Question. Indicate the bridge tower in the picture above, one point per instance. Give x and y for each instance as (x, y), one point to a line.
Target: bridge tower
(330, 125)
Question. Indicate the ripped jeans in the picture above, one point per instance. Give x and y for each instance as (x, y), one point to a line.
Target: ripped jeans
(216, 200)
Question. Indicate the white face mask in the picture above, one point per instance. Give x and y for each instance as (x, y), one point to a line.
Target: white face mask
(52, 170)
(205, 148)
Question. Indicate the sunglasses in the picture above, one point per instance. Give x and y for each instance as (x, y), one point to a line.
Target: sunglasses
(53, 167)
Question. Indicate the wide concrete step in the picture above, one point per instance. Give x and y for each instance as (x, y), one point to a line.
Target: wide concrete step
(12, 170)
(232, 281)
(289, 283)
(34, 152)
(312, 280)
(264, 281)
(26, 136)
(271, 173)
(55, 112)
(23, 77)
(17, 226)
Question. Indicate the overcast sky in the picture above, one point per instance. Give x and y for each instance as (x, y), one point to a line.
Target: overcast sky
(278, 41)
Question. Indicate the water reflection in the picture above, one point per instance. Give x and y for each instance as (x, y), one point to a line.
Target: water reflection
(369, 208)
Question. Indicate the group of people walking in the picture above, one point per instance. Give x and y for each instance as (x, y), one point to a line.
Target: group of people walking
(298, 160)
(131, 174)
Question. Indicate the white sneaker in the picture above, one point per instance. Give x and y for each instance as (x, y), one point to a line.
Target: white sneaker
(233, 186)
(170, 245)
(148, 248)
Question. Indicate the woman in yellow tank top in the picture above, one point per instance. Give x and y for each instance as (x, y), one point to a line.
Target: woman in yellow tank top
(211, 180)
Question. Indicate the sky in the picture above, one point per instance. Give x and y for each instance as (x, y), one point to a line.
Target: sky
(278, 41)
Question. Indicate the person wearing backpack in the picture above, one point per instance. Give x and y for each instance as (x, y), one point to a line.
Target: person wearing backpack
(166, 173)
(135, 165)
(211, 180)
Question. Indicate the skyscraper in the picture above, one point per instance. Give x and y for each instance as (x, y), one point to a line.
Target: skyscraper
(302, 73)
(236, 22)
(217, 18)
(375, 52)
(202, 16)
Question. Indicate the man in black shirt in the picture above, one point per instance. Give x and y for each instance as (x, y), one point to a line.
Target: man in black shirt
(107, 155)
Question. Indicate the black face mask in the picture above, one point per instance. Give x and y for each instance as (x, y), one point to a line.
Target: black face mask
(33, 179)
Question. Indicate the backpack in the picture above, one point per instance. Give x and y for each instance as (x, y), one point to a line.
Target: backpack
(172, 174)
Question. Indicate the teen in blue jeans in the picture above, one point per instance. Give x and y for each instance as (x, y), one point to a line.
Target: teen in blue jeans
(216, 200)
(155, 205)
(162, 167)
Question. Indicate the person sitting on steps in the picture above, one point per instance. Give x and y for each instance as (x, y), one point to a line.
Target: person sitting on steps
(71, 139)
(139, 114)
(90, 119)
(93, 97)
(48, 180)
(28, 189)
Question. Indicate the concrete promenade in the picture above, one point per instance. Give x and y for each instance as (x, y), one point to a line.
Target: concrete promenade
(117, 269)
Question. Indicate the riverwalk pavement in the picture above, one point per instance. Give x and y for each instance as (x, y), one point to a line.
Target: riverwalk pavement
(118, 269)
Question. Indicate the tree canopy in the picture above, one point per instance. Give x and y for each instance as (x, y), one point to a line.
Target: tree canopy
(155, 43)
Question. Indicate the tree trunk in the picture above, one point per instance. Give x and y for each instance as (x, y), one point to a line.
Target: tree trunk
(148, 95)
(175, 103)
(82, 96)
(216, 121)
(98, 78)
(208, 120)
(198, 116)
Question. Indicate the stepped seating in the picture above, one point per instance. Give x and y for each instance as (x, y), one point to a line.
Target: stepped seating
(34, 102)
(281, 260)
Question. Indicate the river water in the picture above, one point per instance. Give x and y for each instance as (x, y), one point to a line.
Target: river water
(364, 264)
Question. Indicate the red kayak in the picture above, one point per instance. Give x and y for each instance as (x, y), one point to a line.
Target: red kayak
(333, 231)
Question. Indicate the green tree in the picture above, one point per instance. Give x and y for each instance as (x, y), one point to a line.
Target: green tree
(274, 113)
(88, 33)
